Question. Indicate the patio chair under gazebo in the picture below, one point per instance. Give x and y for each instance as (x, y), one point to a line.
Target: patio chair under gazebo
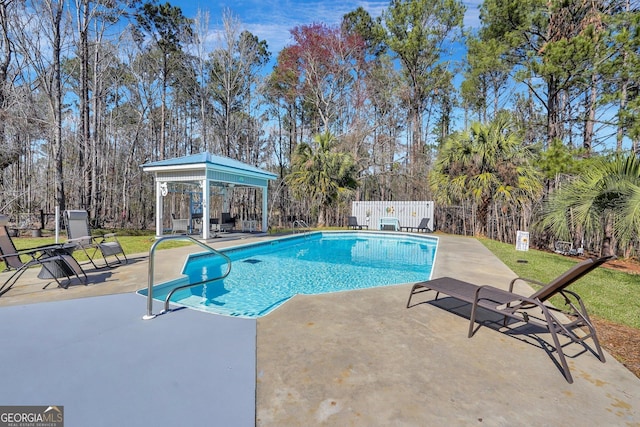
(207, 174)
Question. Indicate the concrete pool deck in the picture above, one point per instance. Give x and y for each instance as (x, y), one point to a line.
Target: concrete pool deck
(352, 358)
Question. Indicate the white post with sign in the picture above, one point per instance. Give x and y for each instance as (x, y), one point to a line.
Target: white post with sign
(522, 241)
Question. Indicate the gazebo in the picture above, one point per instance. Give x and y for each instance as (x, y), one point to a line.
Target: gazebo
(206, 172)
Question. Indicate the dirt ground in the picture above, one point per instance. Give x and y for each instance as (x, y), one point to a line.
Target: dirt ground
(621, 341)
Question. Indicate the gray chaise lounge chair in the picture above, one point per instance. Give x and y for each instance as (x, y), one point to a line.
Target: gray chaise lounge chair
(518, 307)
(352, 222)
(79, 233)
(55, 263)
(424, 225)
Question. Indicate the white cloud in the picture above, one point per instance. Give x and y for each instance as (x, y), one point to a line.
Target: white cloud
(472, 16)
(272, 20)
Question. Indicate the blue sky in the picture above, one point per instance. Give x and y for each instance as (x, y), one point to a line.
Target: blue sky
(271, 20)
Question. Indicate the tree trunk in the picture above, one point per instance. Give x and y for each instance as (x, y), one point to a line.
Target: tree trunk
(322, 216)
(82, 17)
(7, 156)
(95, 136)
(56, 100)
(553, 110)
(607, 248)
(592, 99)
(163, 104)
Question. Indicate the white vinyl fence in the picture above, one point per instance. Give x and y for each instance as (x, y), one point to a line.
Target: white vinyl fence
(409, 214)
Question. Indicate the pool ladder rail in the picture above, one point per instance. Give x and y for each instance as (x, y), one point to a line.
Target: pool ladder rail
(301, 225)
(152, 251)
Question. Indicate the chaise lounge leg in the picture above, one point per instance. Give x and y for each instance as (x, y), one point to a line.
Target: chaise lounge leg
(472, 320)
(413, 292)
(592, 330)
(556, 342)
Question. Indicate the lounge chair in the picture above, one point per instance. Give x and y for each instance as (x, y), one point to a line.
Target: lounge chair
(54, 261)
(519, 308)
(352, 222)
(79, 233)
(424, 225)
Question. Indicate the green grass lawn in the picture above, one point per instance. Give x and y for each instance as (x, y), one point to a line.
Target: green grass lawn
(608, 294)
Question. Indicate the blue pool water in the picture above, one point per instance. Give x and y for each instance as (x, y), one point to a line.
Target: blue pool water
(265, 275)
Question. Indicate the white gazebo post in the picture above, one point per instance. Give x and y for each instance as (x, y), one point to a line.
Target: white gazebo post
(161, 191)
(206, 197)
(265, 208)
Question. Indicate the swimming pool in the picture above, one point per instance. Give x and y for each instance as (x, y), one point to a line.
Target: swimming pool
(265, 275)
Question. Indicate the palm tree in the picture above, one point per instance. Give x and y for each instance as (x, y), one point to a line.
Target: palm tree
(485, 165)
(322, 173)
(605, 197)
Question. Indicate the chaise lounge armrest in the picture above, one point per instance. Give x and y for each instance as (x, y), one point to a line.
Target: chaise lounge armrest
(34, 250)
(526, 280)
(84, 240)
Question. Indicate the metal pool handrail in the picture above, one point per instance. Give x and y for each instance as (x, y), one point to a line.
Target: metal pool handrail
(150, 314)
(301, 224)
